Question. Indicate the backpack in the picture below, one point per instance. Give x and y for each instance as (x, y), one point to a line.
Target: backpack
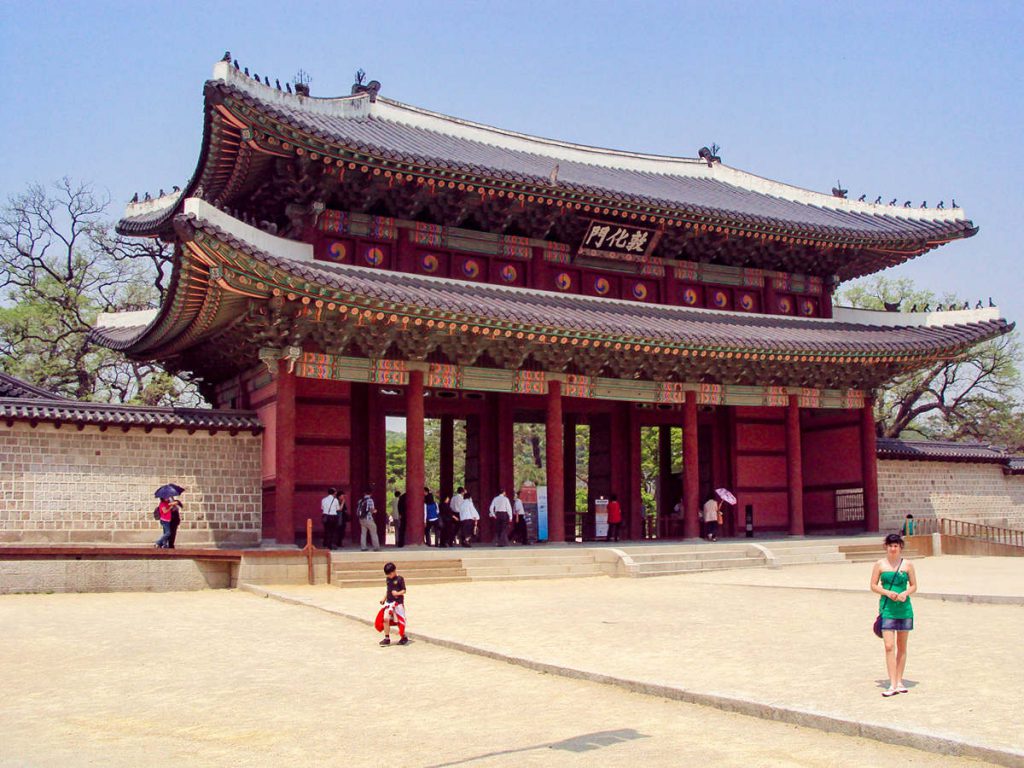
(363, 509)
(156, 512)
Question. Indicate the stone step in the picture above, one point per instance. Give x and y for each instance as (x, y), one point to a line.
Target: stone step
(709, 554)
(687, 566)
(409, 582)
(413, 573)
(527, 576)
(810, 557)
(696, 566)
(481, 571)
(527, 562)
(792, 550)
(375, 564)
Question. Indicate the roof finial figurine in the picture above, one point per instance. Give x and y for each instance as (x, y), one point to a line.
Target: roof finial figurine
(862, 198)
(266, 81)
(967, 304)
(942, 204)
(893, 201)
(553, 176)
(302, 81)
(135, 198)
(176, 188)
(709, 155)
(939, 308)
(878, 200)
(838, 191)
(147, 197)
(914, 308)
(892, 306)
(161, 192)
(978, 305)
(255, 76)
(360, 76)
(246, 70)
(277, 84)
(906, 203)
(924, 203)
(288, 87)
(226, 56)
(927, 308)
(236, 64)
(990, 302)
(954, 203)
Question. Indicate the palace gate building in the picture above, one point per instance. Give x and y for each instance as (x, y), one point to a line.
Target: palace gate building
(338, 261)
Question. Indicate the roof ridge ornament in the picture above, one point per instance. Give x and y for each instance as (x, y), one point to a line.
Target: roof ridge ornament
(372, 88)
(709, 155)
(301, 82)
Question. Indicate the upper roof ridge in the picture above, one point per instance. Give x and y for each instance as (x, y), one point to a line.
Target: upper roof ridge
(369, 105)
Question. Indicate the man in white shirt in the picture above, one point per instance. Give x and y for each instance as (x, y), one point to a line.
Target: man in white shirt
(329, 514)
(501, 511)
(468, 517)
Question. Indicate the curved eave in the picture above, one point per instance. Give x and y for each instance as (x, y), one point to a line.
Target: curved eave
(266, 124)
(230, 266)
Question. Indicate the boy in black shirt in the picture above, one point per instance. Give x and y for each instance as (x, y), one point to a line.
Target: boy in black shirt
(394, 605)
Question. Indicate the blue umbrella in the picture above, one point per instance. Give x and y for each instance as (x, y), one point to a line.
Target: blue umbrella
(169, 490)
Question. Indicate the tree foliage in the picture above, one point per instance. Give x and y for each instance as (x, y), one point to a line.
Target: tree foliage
(975, 396)
(62, 265)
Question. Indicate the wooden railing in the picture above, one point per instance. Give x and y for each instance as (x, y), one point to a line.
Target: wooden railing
(969, 530)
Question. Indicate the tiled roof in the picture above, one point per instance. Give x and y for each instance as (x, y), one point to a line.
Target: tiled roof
(72, 412)
(546, 310)
(392, 131)
(14, 387)
(937, 450)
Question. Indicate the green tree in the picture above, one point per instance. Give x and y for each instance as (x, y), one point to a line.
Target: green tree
(975, 396)
(62, 266)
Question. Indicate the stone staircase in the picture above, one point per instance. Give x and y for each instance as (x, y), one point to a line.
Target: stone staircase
(369, 572)
(421, 565)
(867, 553)
(532, 563)
(643, 561)
(798, 552)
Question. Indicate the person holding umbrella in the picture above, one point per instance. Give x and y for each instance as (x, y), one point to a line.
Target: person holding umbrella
(169, 513)
(713, 512)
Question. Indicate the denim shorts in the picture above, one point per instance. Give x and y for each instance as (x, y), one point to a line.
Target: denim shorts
(899, 625)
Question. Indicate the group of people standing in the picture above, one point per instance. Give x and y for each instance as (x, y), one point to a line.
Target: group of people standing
(453, 521)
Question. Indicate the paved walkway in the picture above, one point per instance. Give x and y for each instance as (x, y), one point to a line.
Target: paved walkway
(777, 648)
(225, 678)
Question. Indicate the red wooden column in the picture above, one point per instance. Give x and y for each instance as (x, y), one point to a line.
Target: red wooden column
(447, 457)
(377, 464)
(869, 465)
(504, 448)
(555, 475)
(414, 470)
(636, 519)
(691, 475)
(284, 444)
(794, 468)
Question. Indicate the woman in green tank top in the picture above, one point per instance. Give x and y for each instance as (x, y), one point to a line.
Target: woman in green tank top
(895, 581)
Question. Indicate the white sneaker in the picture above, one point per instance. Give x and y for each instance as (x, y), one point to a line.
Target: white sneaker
(890, 692)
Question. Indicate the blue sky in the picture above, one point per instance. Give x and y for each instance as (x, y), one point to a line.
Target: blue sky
(918, 101)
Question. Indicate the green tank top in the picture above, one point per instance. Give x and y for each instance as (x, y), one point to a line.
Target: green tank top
(895, 581)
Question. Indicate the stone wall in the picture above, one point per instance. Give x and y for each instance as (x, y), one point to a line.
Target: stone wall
(65, 486)
(35, 576)
(979, 493)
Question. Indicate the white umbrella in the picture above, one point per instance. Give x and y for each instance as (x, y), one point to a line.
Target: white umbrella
(725, 495)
